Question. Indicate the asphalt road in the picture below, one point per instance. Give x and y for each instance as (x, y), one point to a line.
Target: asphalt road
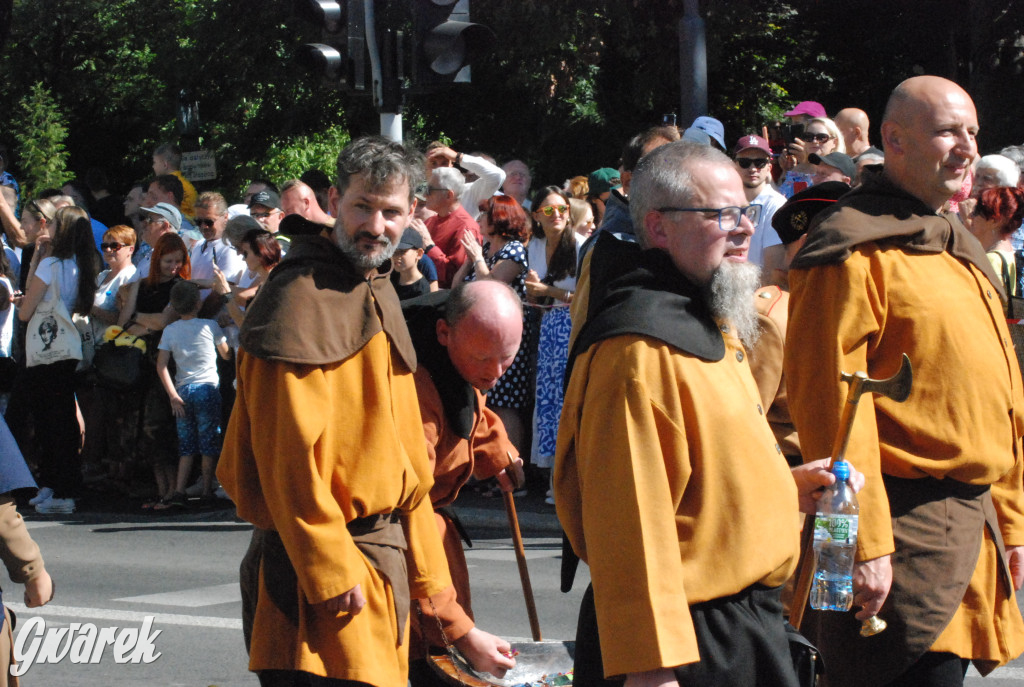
(114, 571)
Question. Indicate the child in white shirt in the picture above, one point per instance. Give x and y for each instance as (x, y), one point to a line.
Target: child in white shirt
(195, 397)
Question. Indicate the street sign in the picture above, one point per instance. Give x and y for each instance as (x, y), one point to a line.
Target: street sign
(199, 165)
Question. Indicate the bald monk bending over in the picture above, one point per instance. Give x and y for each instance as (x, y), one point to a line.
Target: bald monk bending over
(465, 339)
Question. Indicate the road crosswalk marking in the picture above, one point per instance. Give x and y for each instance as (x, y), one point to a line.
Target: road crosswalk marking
(191, 598)
(52, 610)
(508, 554)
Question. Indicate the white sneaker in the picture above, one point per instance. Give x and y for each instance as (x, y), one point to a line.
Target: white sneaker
(56, 506)
(45, 494)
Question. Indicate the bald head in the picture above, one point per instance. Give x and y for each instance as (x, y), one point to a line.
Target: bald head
(928, 133)
(851, 116)
(297, 198)
(853, 125)
(482, 330)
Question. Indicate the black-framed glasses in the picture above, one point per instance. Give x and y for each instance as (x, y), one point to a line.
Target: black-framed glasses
(758, 162)
(728, 217)
(550, 210)
(819, 138)
(112, 245)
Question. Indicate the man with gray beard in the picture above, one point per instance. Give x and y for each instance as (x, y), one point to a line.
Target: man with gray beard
(668, 480)
(324, 453)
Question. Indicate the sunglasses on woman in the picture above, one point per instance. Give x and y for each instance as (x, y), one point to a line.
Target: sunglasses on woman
(113, 245)
(550, 210)
(819, 138)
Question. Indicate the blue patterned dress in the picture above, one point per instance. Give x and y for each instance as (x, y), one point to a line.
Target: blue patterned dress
(552, 357)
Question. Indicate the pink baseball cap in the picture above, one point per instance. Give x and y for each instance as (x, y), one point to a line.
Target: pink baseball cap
(807, 107)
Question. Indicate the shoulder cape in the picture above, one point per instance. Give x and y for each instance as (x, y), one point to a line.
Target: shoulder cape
(316, 308)
(457, 395)
(878, 211)
(636, 291)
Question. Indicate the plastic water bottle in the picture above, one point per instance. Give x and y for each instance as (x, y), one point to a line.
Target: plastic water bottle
(835, 544)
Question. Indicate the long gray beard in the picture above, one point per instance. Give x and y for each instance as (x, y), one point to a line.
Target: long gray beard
(730, 296)
(359, 259)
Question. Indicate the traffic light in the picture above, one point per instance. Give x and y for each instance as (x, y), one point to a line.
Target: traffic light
(445, 43)
(340, 57)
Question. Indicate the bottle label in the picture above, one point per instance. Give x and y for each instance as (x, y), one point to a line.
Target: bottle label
(836, 527)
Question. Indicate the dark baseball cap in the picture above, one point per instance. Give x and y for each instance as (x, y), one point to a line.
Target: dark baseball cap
(266, 198)
(841, 161)
(410, 239)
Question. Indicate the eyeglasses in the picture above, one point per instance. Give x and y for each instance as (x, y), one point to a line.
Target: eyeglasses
(203, 222)
(113, 245)
(728, 217)
(550, 210)
(818, 138)
(261, 215)
(151, 219)
(746, 162)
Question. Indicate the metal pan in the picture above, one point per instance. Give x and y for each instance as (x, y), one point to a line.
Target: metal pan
(536, 662)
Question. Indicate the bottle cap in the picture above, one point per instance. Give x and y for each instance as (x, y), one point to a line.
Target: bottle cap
(841, 469)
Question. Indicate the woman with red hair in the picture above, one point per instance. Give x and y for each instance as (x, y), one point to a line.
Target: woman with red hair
(504, 226)
(145, 313)
(997, 215)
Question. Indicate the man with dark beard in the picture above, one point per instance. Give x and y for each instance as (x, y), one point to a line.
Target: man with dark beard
(668, 480)
(324, 453)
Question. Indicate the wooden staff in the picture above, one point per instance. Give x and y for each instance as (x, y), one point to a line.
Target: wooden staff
(517, 541)
(897, 388)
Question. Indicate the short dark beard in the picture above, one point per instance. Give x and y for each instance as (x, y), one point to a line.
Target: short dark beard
(362, 261)
(730, 297)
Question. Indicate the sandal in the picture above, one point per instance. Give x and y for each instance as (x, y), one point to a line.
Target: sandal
(177, 500)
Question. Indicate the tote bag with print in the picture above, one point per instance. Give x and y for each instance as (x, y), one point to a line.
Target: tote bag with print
(51, 335)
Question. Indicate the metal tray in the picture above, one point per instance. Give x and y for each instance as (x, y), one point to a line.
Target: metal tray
(535, 662)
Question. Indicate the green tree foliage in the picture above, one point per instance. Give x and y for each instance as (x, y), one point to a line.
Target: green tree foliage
(118, 67)
(40, 132)
(290, 158)
(568, 83)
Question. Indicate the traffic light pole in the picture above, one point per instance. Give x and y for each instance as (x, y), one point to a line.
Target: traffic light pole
(390, 121)
(391, 126)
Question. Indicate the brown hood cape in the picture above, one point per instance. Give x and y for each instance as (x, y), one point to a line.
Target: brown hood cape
(637, 291)
(879, 211)
(458, 397)
(316, 308)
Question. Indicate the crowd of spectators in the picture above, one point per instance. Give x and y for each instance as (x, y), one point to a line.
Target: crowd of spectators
(118, 261)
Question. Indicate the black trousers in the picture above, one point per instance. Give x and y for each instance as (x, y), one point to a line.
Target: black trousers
(741, 638)
(935, 669)
(46, 395)
(297, 678)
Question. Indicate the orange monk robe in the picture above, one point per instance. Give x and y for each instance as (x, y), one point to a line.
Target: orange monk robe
(310, 448)
(455, 459)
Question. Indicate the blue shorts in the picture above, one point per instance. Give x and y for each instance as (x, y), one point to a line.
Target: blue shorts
(199, 430)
